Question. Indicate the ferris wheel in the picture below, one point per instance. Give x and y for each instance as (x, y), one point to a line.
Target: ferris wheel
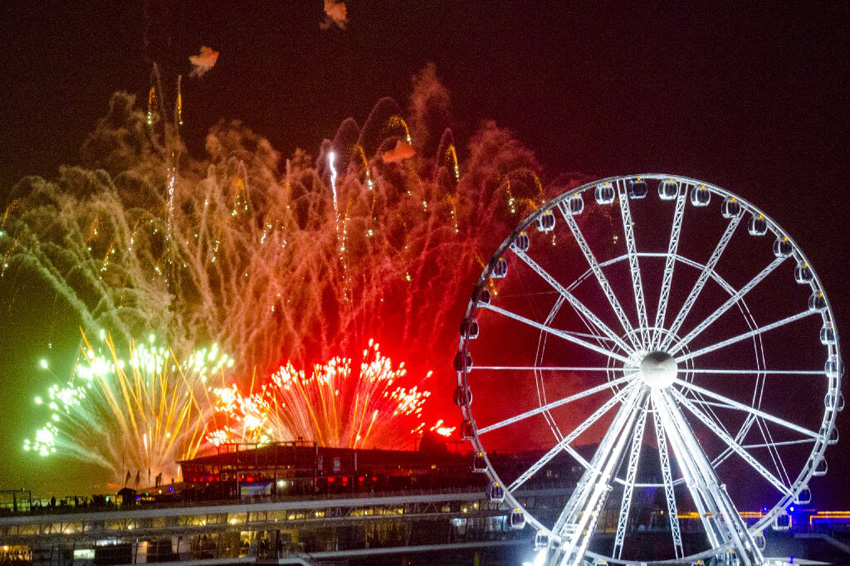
(662, 351)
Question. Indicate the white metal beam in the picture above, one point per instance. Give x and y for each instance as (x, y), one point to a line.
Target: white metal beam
(745, 335)
(560, 402)
(669, 492)
(597, 271)
(634, 266)
(576, 304)
(669, 264)
(701, 280)
(746, 408)
(555, 450)
(631, 476)
(748, 458)
(730, 302)
(556, 332)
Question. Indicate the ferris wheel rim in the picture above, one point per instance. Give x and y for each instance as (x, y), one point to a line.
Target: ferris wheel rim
(826, 313)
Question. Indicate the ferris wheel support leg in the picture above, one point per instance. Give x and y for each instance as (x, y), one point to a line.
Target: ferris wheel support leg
(669, 492)
(578, 520)
(734, 535)
(631, 476)
(690, 474)
(579, 494)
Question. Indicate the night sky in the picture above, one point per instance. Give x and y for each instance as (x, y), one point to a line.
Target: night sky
(751, 98)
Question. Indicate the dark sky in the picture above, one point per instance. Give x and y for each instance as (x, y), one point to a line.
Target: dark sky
(750, 97)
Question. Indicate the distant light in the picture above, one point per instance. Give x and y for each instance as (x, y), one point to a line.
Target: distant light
(792, 508)
(43, 363)
(539, 560)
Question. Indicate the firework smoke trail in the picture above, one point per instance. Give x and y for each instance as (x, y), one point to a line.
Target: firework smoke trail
(249, 258)
(335, 405)
(146, 411)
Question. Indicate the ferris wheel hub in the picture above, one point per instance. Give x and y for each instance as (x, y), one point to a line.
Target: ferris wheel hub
(658, 370)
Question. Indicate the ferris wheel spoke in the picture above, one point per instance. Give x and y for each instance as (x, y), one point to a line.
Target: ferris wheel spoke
(773, 452)
(704, 403)
(634, 266)
(745, 336)
(709, 405)
(564, 442)
(669, 265)
(597, 271)
(779, 443)
(545, 368)
(555, 332)
(628, 489)
(757, 371)
(704, 275)
(560, 402)
(576, 304)
(669, 492)
(732, 404)
(730, 302)
(725, 437)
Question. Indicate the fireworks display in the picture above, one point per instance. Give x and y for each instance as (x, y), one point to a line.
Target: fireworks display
(336, 405)
(141, 413)
(285, 263)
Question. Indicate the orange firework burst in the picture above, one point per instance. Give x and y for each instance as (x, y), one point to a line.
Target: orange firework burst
(334, 405)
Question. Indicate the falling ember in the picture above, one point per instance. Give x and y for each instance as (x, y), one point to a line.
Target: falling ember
(178, 104)
(152, 103)
(442, 429)
(336, 405)
(145, 411)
